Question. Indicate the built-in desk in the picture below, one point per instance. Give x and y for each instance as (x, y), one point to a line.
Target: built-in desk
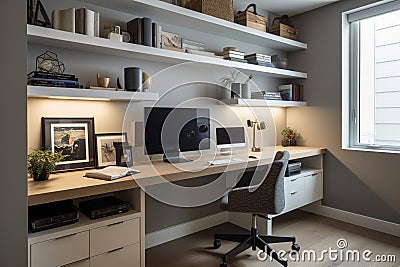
(72, 185)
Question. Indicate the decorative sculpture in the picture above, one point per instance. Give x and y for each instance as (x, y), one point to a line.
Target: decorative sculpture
(49, 62)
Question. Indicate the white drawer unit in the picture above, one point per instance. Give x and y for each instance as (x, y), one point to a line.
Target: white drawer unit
(128, 256)
(60, 251)
(294, 192)
(313, 187)
(114, 236)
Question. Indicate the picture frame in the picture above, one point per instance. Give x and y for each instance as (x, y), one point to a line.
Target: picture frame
(74, 137)
(105, 150)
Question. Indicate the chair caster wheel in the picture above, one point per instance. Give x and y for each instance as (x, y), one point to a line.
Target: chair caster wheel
(296, 247)
(217, 244)
(223, 265)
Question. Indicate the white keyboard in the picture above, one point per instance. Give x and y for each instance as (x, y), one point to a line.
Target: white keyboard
(225, 161)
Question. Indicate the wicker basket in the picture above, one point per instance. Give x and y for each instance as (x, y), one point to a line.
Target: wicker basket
(222, 9)
(251, 19)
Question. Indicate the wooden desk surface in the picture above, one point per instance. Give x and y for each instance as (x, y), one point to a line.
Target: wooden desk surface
(69, 185)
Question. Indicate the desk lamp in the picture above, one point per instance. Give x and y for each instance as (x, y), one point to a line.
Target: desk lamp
(260, 126)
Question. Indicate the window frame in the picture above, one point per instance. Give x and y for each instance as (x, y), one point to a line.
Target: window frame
(351, 88)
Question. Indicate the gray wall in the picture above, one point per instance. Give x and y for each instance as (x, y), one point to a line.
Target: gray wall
(364, 183)
(13, 194)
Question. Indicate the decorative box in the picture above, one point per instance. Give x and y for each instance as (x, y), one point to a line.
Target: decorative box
(222, 9)
(283, 30)
(251, 19)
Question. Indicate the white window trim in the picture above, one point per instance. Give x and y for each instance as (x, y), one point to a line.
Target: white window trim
(349, 74)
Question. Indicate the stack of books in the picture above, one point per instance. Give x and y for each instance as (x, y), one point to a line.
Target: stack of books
(266, 95)
(81, 20)
(144, 31)
(233, 55)
(193, 45)
(41, 78)
(292, 92)
(259, 59)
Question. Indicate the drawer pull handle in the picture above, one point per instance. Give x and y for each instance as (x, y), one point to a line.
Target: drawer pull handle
(115, 223)
(114, 250)
(61, 237)
(293, 193)
(315, 174)
(295, 179)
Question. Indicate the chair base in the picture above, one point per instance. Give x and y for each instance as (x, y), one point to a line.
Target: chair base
(253, 241)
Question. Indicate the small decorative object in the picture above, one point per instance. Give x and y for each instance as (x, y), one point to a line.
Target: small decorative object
(102, 81)
(246, 90)
(251, 19)
(49, 62)
(34, 9)
(114, 33)
(171, 41)
(260, 126)
(229, 85)
(282, 26)
(42, 163)
(123, 154)
(73, 137)
(222, 9)
(105, 150)
(288, 137)
(279, 62)
(133, 77)
(146, 81)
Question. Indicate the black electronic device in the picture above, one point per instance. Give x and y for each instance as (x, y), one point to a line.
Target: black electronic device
(169, 131)
(294, 167)
(52, 215)
(102, 207)
(230, 137)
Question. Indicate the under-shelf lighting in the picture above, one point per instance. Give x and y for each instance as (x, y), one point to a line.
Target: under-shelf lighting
(79, 98)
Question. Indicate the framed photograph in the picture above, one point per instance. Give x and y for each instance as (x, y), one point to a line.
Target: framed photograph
(105, 149)
(74, 137)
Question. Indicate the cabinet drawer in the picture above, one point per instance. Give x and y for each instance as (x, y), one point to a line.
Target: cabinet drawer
(294, 192)
(60, 251)
(313, 187)
(128, 256)
(113, 236)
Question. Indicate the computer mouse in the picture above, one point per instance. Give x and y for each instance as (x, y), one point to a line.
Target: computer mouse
(253, 157)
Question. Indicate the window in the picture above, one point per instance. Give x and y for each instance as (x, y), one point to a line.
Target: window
(375, 78)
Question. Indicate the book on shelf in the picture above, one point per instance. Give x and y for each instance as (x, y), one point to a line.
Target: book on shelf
(231, 54)
(292, 92)
(135, 29)
(54, 85)
(257, 56)
(51, 75)
(155, 35)
(64, 20)
(235, 59)
(111, 173)
(189, 44)
(201, 52)
(87, 22)
(147, 32)
(72, 82)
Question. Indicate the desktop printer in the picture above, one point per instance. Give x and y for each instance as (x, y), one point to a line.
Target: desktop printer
(294, 167)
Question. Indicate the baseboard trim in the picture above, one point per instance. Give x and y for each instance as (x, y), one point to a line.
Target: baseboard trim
(168, 234)
(353, 218)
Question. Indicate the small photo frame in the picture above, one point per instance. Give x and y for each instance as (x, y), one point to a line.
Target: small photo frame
(105, 149)
(74, 137)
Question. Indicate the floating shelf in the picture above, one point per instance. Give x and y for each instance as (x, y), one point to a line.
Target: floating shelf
(69, 40)
(179, 16)
(88, 94)
(263, 103)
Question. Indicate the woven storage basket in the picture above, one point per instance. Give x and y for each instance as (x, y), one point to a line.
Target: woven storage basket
(222, 9)
(251, 19)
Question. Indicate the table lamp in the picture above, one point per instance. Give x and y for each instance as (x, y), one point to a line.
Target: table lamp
(260, 126)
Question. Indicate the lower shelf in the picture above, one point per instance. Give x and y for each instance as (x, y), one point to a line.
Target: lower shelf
(89, 94)
(240, 102)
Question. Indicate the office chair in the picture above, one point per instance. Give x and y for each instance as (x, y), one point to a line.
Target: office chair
(267, 198)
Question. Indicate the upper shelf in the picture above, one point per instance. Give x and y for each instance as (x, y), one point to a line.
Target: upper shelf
(176, 15)
(69, 40)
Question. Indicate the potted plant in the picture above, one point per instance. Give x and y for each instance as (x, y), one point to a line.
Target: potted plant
(42, 163)
(288, 137)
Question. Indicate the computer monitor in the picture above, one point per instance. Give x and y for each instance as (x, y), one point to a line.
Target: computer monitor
(230, 137)
(169, 131)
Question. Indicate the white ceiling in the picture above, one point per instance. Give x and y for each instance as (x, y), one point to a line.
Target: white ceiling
(289, 7)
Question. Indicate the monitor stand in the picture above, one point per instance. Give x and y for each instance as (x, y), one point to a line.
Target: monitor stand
(225, 151)
(173, 157)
